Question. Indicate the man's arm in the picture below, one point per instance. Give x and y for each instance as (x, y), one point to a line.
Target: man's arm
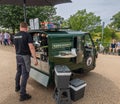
(32, 50)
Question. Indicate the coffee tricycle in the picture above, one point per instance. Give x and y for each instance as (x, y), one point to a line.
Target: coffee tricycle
(74, 49)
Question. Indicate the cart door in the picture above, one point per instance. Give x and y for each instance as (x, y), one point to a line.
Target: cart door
(79, 50)
(89, 51)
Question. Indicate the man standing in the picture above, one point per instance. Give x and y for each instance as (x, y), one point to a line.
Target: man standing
(24, 49)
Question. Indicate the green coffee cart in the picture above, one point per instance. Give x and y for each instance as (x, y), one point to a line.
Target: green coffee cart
(74, 49)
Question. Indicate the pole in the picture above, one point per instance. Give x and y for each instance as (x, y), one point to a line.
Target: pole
(102, 31)
(24, 9)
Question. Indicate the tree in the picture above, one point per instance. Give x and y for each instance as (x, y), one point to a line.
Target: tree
(65, 24)
(115, 21)
(11, 16)
(109, 34)
(84, 21)
(43, 13)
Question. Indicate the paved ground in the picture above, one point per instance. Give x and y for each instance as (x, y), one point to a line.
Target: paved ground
(103, 83)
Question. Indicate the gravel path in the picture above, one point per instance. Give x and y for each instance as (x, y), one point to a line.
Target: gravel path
(103, 83)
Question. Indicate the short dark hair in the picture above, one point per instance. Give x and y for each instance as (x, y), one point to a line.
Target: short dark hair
(23, 25)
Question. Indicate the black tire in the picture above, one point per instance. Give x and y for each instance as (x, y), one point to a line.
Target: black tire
(87, 66)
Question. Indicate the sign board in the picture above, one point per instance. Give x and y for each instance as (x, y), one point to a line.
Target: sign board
(61, 45)
(34, 24)
(31, 21)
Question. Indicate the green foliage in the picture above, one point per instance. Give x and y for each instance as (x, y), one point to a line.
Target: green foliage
(118, 35)
(65, 24)
(57, 19)
(109, 34)
(84, 21)
(43, 13)
(11, 16)
(97, 29)
(115, 21)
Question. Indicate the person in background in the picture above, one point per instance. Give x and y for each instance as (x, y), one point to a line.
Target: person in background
(117, 46)
(112, 47)
(6, 38)
(11, 38)
(101, 48)
(24, 48)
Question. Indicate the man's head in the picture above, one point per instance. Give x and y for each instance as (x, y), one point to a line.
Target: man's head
(23, 26)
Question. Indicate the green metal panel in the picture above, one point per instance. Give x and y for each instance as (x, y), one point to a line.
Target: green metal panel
(62, 43)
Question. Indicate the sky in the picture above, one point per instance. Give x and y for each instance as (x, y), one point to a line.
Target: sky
(103, 8)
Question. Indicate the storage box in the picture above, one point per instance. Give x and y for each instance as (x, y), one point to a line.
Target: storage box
(77, 89)
(62, 76)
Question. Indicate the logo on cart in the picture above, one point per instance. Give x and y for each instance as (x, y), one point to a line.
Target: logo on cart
(61, 45)
(89, 61)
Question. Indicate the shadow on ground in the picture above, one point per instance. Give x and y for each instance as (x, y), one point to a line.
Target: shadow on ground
(99, 90)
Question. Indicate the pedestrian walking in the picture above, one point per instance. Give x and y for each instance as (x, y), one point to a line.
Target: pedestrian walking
(6, 38)
(24, 49)
(101, 47)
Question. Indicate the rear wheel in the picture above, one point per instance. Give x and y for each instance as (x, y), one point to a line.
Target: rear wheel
(89, 64)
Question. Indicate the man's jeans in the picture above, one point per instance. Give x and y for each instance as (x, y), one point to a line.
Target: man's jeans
(22, 75)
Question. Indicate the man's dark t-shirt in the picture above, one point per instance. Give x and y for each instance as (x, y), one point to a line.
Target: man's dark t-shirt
(21, 41)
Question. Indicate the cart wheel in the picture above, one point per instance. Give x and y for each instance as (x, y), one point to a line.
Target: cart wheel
(89, 61)
(89, 64)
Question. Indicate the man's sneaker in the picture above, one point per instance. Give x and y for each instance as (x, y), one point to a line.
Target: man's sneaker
(17, 89)
(25, 97)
